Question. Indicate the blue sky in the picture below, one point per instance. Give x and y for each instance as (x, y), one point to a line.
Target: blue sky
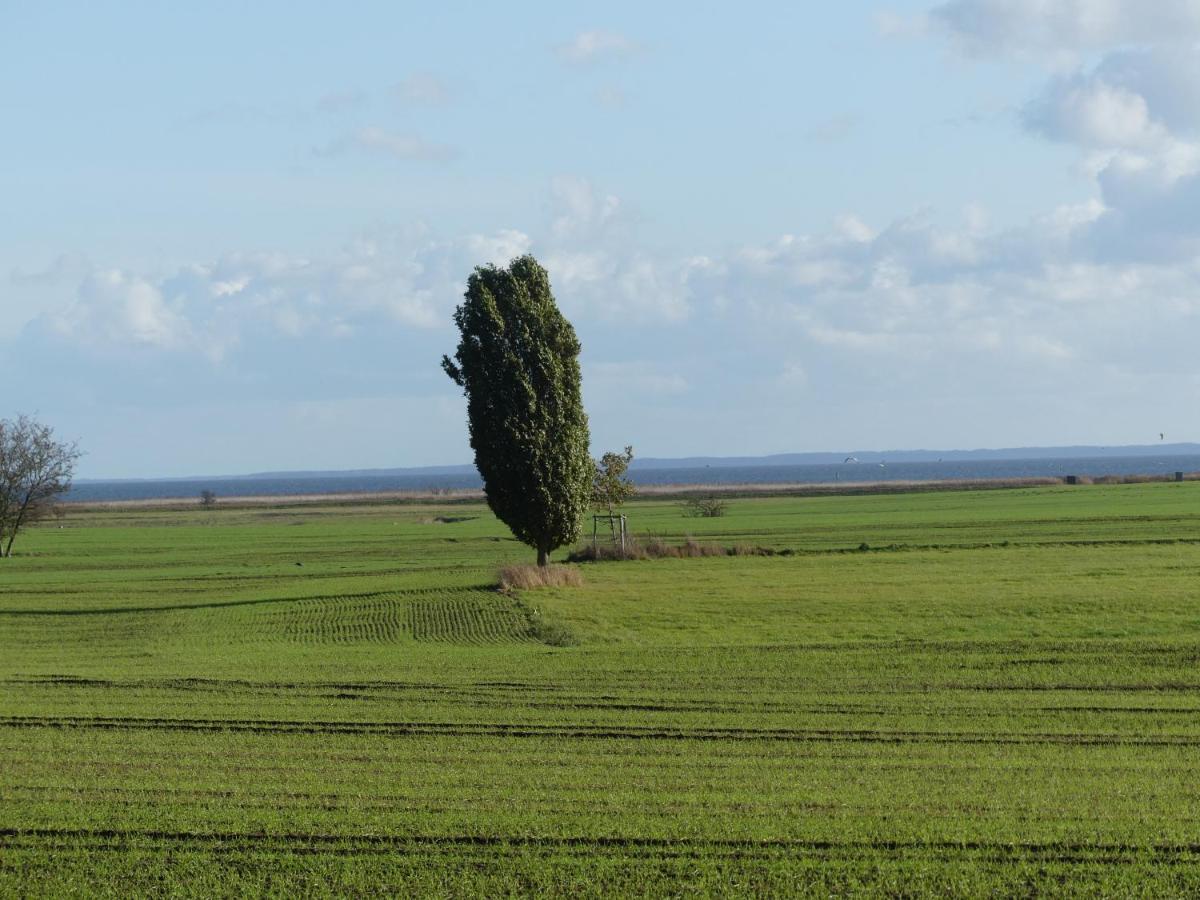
(235, 233)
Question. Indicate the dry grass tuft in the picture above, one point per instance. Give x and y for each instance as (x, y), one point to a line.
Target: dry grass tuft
(524, 578)
(693, 548)
(1128, 479)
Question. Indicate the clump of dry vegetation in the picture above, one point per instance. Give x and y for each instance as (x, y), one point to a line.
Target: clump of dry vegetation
(654, 547)
(1126, 479)
(524, 578)
(694, 548)
(606, 552)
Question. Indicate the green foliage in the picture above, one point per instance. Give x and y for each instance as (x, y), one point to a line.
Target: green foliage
(705, 507)
(611, 486)
(518, 364)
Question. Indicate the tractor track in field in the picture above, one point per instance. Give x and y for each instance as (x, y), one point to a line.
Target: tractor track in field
(556, 698)
(585, 732)
(400, 593)
(122, 840)
(472, 616)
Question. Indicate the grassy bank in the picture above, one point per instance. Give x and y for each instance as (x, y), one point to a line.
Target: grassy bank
(932, 692)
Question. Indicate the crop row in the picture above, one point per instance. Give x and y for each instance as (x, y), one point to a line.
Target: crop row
(476, 617)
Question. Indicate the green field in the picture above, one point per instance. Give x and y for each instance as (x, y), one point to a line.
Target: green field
(956, 692)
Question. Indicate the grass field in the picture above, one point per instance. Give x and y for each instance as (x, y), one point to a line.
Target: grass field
(961, 692)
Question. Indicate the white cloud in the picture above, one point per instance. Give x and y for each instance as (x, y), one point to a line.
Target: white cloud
(498, 249)
(1056, 29)
(912, 302)
(854, 228)
(230, 287)
(1167, 77)
(401, 279)
(115, 307)
(1126, 95)
(596, 46)
(1066, 219)
(1096, 115)
(855, 340)
(580, 209)
(399, 146)
(620, 285)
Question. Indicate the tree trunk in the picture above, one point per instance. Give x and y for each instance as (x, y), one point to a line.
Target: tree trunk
(16, 526)
(543, 555)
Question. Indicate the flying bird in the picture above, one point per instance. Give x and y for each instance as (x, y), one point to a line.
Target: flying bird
(850, 459)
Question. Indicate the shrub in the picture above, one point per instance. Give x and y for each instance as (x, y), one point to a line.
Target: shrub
(705, 507)
(524, 578)
(553, 634)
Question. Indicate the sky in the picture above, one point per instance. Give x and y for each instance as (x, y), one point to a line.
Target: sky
(232, 236)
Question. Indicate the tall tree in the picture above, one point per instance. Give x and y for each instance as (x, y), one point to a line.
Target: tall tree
(518, 364)
(34, 469)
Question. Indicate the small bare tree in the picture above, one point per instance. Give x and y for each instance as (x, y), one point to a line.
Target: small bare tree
(34, 470)
(208, 499)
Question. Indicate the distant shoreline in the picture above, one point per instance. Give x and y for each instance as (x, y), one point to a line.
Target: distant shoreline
(650, 491)
(646, 466)
(850, 473)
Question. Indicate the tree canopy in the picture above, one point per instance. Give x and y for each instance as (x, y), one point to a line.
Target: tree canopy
(35, 469)
(611, 485)
(518, 364)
